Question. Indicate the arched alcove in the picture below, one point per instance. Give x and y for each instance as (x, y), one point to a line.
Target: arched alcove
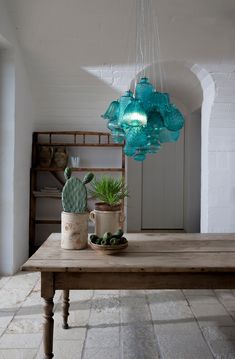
(192, 89)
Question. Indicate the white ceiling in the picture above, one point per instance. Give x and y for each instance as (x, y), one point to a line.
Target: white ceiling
(60, 38)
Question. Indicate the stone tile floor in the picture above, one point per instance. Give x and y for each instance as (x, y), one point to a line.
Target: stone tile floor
(157, 324)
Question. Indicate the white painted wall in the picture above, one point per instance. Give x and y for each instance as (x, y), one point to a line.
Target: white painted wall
(18, 117)
(7, 136)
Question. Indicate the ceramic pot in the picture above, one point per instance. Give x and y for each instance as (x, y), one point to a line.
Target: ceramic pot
(60, 158)
(106, 218)
(45, 156)
(74, 230)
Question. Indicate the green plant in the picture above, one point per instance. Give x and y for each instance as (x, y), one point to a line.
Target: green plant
(109, 190)
(74, 194)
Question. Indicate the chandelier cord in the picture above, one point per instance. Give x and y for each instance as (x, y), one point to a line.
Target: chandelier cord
(142, 47)
(150, 37)
(131, 48)
(152, 41)
(158, 52)
(136, 43)
(144, 18)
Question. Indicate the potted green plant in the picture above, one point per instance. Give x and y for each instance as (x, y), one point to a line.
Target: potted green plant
(74, 218)
(108, 214)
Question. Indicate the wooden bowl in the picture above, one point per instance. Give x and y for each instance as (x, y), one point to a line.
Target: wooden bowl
(108, 249)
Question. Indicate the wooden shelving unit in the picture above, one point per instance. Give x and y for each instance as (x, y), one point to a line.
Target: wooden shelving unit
(68, 139)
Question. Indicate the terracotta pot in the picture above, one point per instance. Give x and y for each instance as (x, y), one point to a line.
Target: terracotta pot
(74, 230)
(102, 206)
(107, 218)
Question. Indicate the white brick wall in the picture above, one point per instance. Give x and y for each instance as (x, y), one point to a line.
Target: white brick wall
(221, 153)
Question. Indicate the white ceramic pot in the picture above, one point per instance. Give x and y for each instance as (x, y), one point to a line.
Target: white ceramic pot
(107, 221)
(74, 230)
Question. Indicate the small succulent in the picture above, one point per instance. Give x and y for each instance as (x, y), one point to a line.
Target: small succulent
(74, 193)
(109, 190)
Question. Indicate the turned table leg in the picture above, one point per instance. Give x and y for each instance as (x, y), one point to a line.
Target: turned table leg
(48, 328)
(47, 293)
(65, 308)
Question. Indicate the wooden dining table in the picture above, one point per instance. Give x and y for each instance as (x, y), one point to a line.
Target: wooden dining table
(151, 261)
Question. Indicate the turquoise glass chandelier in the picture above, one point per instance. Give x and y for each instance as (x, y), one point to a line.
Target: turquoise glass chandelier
(144, 119)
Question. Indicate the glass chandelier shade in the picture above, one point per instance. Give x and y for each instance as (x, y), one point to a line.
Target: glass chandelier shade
(143, 121)
(134, 115)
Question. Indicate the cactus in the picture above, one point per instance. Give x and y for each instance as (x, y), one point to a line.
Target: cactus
(67, 173)
(74, 194)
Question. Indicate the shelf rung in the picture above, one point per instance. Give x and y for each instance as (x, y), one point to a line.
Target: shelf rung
(47, 221)
(81, 169)
(80, 144)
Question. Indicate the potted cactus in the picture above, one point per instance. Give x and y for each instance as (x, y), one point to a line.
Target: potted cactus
(108, 214)
(74, 218)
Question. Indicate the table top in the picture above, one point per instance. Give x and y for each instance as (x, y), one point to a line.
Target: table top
(147, 252)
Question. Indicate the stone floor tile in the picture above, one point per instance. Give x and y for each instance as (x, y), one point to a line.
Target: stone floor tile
(79, 313)
(23, 280)
(134, 309)
(5, 319)
(20, 341)
(224, 294)
(25, 325)
(37, 286)
(138, 341)
(165, 296)
(12, 299)
(30, 311)
(184, 347)
(221, 341)
(101, 353)
(77, 318)
(18, 353)
(106, 292)
(175, 328)
(132, 293)
(32, 307)
(133, 300)
(64, 349)
(198, 292)
(102, 337)
(3, 281)
(69, 334)
(34, 298)
(231, 312)
(79, 305)
(203, 299)
(226, 297)
(172, 311)
(221, 333)
(2, 330)
(135, 314)
(229, 306)
(211, 314)
(77, 295)
(105, 310)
